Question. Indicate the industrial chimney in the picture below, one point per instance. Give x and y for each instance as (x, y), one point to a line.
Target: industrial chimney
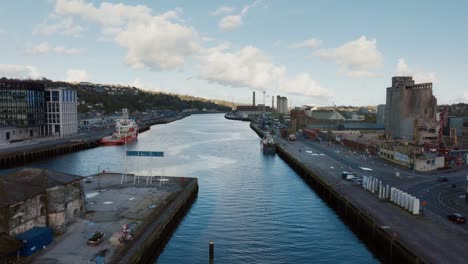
(253, 98)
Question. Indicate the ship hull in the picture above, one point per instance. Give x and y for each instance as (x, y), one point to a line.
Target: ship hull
(269, 149)
(112, 141)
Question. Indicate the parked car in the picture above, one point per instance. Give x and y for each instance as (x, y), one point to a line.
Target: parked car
(442, 179)
(95, 239)
(457, 218)
(345, 175)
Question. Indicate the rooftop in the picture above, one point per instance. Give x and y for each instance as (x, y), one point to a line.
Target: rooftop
(26, 183)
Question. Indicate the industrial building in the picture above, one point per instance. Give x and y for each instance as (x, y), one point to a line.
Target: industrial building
(39, 198)
(410, 156)
(245, 110)
(282, 105)
(411, 112)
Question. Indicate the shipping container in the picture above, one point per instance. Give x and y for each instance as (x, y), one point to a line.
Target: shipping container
(35, 239)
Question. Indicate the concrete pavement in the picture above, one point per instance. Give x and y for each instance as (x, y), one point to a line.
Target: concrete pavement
(430, 236)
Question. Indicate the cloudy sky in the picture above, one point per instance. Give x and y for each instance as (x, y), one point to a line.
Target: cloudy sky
(313, 52)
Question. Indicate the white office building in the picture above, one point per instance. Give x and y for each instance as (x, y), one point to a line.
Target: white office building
(61, 112)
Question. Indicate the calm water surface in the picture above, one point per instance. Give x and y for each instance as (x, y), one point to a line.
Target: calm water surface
(254, 207)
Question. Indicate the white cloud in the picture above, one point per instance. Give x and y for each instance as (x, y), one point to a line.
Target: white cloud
(77, 75)
(231, 22)
(250, 67)
(19, 71)
(357, 58)
(63, 26)
(42, 48)
(68, 51)
(223, 10)
(137, 83)
(418, 76)
(153, 41)
(308, 43)
(465, 96)
(158, 44)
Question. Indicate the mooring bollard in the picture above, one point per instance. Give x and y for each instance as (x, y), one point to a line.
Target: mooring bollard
(211, 252)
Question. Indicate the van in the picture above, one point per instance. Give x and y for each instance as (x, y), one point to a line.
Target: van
(345, 175)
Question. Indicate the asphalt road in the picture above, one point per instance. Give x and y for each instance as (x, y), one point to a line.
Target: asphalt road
(440, 197)
(429, 235)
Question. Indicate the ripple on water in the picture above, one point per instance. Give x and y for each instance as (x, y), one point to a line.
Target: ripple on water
(254, 207)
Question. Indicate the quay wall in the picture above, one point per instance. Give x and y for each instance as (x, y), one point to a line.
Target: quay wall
(380, 241)
(22, 157)
(161, 225)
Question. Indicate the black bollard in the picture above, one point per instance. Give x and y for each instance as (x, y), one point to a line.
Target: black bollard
(211, 252)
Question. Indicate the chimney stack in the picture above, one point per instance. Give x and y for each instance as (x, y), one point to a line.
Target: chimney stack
(253, 98)
(272, 102)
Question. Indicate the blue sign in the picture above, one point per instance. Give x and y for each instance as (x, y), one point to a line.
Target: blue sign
(157, 154)
(145, 153)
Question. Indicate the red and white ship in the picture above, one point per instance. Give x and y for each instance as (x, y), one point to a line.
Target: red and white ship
(126, 130)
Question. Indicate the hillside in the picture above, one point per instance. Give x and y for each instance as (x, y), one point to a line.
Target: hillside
(110, 98)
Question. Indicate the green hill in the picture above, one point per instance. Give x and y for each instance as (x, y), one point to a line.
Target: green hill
(110, 98)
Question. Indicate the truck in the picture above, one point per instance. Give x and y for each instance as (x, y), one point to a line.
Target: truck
(311, 133)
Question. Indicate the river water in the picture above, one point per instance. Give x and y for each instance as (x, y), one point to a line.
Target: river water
(254, 207)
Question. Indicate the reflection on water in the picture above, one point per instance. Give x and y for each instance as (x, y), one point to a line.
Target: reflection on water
(254, 207)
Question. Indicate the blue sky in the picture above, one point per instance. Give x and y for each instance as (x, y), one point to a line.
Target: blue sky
(313, 52)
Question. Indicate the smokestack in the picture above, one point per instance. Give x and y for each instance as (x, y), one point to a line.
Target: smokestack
(253, 98)
(272, 102)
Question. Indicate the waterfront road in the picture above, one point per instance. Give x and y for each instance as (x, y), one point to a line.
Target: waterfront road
(442, 198)
(39, 143)
(431, 236)
(84, 135)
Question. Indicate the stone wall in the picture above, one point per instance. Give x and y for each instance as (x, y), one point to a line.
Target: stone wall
(27, 214)
(65, 205)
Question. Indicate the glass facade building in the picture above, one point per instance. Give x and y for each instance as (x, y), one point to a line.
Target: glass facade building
(22, 104)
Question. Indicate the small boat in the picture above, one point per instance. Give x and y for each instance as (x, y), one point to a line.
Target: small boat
(126, 130)
(268, 144)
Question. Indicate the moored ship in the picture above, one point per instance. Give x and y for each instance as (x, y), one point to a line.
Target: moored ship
(126, 130)
(268, 144)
